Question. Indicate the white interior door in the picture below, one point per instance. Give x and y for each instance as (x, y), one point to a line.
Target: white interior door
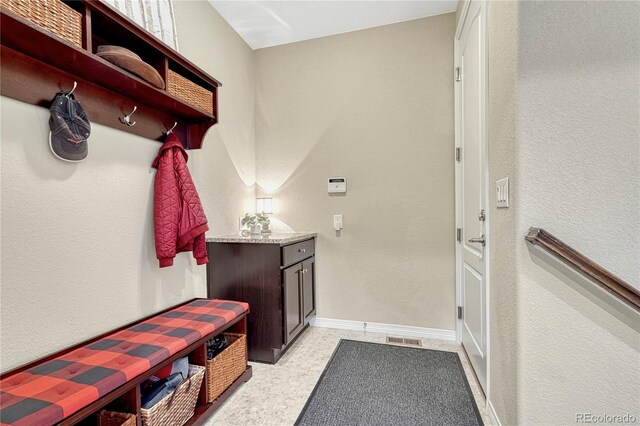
(471, 194)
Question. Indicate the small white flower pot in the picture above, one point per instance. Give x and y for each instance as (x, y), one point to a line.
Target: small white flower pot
(256, 229)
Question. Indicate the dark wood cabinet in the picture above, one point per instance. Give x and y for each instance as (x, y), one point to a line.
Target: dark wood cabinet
(276, 276)
(308, 275)
(294, 320)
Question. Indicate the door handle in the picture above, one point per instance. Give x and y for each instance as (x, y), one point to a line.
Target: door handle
(480, 240)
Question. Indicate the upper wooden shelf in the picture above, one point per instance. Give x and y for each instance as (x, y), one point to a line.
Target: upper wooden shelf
(37, 64)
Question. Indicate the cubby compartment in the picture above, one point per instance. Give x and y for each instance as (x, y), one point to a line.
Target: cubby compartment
(103, 34)
(53, 16)
(190, 88)
(116, 418)
(122, 411)
(178, 407)
(227, 366)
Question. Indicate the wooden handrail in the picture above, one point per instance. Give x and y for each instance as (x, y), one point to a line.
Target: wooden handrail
(587, 267)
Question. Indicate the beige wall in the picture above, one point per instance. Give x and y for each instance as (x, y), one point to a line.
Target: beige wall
(374, 106)
(563, 125)
(579, 177)
(77, 239)
(502, 38)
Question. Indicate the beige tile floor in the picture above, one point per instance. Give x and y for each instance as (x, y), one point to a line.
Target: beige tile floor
(276, 394)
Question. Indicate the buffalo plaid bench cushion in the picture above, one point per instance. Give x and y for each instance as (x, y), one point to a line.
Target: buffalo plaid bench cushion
(55, 389)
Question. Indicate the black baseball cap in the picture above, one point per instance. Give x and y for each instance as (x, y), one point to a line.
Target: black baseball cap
(70, 128)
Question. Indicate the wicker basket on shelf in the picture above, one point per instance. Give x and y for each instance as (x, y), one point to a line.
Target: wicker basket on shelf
(177, 408)
(52, 15)
(112, 418)
(227, 366)
(189, 92)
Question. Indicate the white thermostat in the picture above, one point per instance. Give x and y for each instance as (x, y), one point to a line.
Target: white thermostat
(337, 185)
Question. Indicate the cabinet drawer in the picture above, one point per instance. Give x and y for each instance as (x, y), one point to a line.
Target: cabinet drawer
(297, 252)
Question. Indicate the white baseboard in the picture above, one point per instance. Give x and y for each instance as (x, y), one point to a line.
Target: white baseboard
(493, 416)
(376, 327)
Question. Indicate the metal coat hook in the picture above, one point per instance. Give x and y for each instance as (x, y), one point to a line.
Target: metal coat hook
(70, 92)
(127, 118)
(171, 129)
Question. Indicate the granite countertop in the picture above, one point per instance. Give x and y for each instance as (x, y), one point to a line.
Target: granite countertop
(275, 238)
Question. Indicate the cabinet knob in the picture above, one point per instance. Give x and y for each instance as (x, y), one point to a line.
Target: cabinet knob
(302, 250)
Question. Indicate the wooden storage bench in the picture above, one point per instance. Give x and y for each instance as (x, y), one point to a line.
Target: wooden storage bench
(76, 384)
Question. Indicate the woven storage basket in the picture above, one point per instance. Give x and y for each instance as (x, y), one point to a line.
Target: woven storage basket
(177, 408)
(227, 366)
(112, 418)
(52, 15)
(189, 92)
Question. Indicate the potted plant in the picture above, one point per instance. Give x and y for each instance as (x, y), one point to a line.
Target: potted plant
(251, 221)
(264, 222)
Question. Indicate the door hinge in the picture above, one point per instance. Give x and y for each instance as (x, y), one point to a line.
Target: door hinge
(458, 74)
(460, 312)
(459, 235)
(458, 154)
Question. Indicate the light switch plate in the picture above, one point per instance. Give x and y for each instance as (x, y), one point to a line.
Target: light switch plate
(502, 193)
(337, 222)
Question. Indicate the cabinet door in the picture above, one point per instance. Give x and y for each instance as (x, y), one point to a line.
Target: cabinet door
(293, 319)
(308, 289)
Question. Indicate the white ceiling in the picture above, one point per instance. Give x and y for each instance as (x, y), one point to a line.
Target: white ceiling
(270, 23)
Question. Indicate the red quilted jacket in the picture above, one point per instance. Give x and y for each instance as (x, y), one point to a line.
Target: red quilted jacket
(178, 218)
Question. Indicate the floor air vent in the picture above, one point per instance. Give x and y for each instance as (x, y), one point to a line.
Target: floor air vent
(404, 341)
